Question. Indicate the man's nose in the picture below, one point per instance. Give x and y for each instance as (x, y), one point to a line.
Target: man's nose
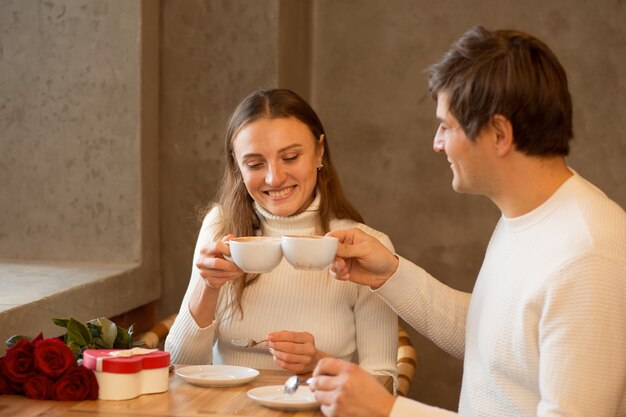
(439, 142)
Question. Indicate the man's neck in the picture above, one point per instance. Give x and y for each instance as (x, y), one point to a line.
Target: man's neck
(529, 182)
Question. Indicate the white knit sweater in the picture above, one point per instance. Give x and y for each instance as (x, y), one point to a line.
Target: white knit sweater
(348, 321)
(544, 333)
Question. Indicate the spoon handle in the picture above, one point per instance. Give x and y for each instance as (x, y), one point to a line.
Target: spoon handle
(246, 343)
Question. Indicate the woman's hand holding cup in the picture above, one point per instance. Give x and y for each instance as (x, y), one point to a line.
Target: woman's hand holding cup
(213, 266)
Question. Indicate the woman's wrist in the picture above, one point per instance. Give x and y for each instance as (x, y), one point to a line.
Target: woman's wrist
(319, 355)
(203, 303)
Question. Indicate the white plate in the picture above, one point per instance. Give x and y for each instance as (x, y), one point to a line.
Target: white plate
(272, 396)
(217, 375)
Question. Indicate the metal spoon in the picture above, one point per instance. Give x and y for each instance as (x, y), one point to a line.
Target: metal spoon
(293, 382)
(246, 343)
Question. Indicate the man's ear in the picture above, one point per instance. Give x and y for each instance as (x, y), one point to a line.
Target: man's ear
(503, 130)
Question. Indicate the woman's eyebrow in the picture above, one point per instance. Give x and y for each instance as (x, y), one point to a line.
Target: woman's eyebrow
(286, 148)
(289, 147)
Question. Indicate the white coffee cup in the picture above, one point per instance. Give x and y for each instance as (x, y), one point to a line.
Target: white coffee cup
(255, 254)
(309, 253)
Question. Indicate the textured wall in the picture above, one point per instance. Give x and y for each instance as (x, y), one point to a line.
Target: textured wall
(370, 90)
(213, 53)
(69, 137)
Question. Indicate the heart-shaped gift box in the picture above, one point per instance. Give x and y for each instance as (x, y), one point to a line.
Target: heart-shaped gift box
(127, 373)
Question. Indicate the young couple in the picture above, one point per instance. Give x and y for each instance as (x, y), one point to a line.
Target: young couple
(544, 331)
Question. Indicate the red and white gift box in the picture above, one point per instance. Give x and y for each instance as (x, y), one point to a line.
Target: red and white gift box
(128, 373)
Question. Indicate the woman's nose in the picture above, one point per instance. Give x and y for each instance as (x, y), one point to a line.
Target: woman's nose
(275, 175)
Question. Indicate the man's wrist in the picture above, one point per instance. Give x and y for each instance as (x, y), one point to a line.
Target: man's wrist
(388, 273)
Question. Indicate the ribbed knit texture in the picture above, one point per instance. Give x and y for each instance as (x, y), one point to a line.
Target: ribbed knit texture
(546, 323)
(348, 321)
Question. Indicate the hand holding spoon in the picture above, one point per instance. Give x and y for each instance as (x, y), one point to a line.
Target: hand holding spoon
(246, 343)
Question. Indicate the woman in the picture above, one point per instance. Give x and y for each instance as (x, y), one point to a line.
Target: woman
(278, 179)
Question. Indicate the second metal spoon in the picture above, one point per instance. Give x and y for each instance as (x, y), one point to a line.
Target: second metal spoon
(293, 382)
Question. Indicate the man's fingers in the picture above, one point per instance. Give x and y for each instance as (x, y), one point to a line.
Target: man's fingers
(340, 269)
(344, 235)
(352, 250)
(349, 236)
(324, 383)
(324, 397)
(328, 366)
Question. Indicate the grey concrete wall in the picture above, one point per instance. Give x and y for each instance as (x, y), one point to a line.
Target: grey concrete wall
(69, 133)
(370, 91)
(78, 161)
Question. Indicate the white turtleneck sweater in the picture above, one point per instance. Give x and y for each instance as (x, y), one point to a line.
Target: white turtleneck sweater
(544, 331)
(347, 320)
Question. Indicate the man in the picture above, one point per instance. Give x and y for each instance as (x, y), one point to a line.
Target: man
(544, 331)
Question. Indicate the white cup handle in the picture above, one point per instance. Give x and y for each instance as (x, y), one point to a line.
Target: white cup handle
(228, 258)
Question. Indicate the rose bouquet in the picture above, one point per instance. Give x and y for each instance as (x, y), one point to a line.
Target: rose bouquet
(45, 369)
(50, 369)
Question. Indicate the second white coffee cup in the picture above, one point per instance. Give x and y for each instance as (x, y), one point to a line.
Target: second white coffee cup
(309, 253)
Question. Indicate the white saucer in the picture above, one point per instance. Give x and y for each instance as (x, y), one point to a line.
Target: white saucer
(272, 396)
(217, 375)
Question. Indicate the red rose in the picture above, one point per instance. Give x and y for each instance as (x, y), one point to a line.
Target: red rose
(18, 363)
(53, 358)
(76, 384)
(5, 386)
(39, 387)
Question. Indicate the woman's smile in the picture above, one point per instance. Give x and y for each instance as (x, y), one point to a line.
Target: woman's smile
(282, 193)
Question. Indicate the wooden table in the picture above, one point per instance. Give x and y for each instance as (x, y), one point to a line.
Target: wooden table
(181, 400)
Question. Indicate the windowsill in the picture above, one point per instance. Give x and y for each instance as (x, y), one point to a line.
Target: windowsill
(35, 291)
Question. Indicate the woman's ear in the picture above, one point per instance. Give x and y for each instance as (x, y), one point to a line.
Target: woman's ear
(320, 148)
(503, 130)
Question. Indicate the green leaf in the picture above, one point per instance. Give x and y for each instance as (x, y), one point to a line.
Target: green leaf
(94, 329)
(78, 333)
(98, 342)
(76, 350)
(108, 333)
(123, 339)
(60, 322)
(11, 341)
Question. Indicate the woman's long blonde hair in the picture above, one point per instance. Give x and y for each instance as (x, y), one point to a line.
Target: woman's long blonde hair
(238, 216)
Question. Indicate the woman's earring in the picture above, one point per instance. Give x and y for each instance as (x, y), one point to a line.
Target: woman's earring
(320, 166)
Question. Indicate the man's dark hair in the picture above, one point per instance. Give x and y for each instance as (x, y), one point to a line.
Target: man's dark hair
(509, 73)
